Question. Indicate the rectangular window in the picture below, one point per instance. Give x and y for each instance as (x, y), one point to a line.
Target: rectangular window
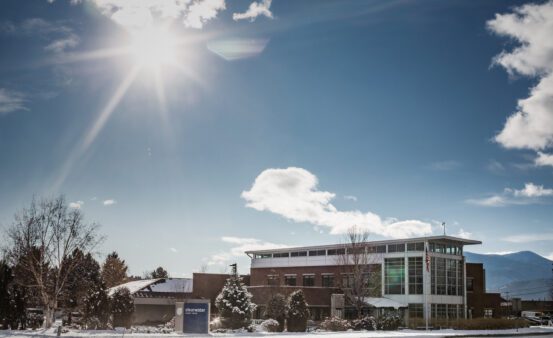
(418, 246)
(451, 271)
(281, 254)
(439, 311)
(317, 252)
(327, 281)
(416, 310)
(470, 284)
(308, 280)
(452, 311)
(415, 276)
(272, 280)
(347, 280)
(488, 313)
(376, 249)
(263, 255)
(290, 280)
(336, 252)
(396, 247)
(394, 276)
(299, 254)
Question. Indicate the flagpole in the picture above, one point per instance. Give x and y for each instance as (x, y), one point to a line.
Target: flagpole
(426, 259)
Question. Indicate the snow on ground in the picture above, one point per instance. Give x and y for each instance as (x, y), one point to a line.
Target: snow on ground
(542, 331)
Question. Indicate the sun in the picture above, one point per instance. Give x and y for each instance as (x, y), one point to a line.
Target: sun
(153, 47)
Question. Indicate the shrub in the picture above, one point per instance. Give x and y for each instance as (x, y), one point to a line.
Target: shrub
(388, 322)
(366, 323)
(276, 308)
(270, 325)
(335, 324)
(297, 312)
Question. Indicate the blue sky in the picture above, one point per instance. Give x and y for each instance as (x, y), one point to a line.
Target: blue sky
(280, 123)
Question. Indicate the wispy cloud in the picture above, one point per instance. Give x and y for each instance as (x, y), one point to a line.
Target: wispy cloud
(59, 36)
(526, 238)
(239, 247)
(544, 159)
(501, 253)
(293, 194)
(350, 197)
(530, 25)
(463, 234)
(530, 194)
(109, 202)
(173, 250)
(11, 101)
(495, 167)
(256, 8)
(76, 205)
(445, 165)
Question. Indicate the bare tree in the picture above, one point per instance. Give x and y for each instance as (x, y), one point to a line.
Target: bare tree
(361, 273)
(40, 242)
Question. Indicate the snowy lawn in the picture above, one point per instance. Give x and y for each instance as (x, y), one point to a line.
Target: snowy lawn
(354, 334)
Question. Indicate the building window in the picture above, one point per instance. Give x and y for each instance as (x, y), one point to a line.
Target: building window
(416, 310)
(470, 284)
(415, 276)
(281, 254)
(376, 249)
(347, 280)
(396, 247)
(272, 280)
(299, 254)
(290, 280)
(327, 281)
(262, 256)
(488, 313)
(317, 252)
(452, 311)
(394, 276)
(446, 276)
(451, 272)
(332, 252)
(308, 280)
(439, 311)
(418, 246)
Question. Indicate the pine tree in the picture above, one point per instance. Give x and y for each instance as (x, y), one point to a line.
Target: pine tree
(96, 307)
(234, 303)
(114, 270)
(122, 307)
(297, 312)
(276, 309)
(85, 277)
(13, 299)
(160, 272)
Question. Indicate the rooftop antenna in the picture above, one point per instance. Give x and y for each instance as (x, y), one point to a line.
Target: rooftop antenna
(443, 224)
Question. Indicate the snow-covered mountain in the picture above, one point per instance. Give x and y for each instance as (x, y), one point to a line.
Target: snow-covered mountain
(523, 274)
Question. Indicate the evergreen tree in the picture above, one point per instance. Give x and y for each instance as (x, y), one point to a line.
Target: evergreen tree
(114, 270)
(122, 307)
(276, 309)
(96, 307)
(85, 277)
(13, 299)
(234, 303)
(297, 312)
(160, 272)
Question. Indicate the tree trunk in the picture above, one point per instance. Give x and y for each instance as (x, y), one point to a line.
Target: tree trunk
(48, 317)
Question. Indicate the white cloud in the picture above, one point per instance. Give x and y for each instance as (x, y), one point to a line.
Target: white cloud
(544, 159)
(463, 234)
(76, 205)
(60, 37)
(173, 250)
(256, 9)
(110, 202)
(501, 253)
(350, 197)
(526, 238)
(240, 246)
(60, 45)
(530, 194)
(139, 14)
(293, 194)
(531, 26)
(11, 101)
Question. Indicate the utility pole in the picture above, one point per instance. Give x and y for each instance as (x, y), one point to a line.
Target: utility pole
(443, 224)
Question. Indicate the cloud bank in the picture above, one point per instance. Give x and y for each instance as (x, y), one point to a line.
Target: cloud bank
(240, 245)
(293, 194)
(11, 101)
(530, 194)
(530, 27)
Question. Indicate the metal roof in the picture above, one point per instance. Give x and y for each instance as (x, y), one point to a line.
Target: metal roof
(463, 241)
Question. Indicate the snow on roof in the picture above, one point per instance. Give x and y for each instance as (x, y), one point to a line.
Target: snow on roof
(156, 285)
(382, 302)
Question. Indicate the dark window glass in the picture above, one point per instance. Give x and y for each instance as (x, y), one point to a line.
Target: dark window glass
(396, 247)
(317, 252)
(299, 254)
(290, 280)
(418, 246)
(416, 310)
(272, 280)
(415, 275)
(470, 284)
(309, 280)
(281, 254)
(327, 281)
(394, 276)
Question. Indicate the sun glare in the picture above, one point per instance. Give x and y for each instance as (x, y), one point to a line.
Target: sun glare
(153, 47)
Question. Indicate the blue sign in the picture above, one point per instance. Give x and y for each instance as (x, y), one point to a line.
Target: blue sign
(196, 318)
